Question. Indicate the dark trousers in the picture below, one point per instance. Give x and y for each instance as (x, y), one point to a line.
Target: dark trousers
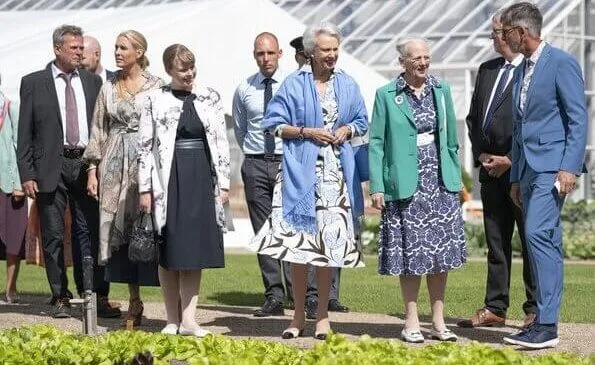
(72, 190)
(259, 174)
(312, 292)
(499, 217)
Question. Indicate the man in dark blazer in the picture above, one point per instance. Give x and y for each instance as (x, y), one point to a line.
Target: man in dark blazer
(54, 126)
(490, 130)
(92, 59)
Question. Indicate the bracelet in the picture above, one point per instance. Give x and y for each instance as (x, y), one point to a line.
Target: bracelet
(301, 133)
(92, 167)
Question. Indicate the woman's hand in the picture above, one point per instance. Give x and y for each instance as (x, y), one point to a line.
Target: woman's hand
(224, 196)
(17, 195)
(319, 135)
(378, 201)
(92, 183)
(342, 134)
(145, 201)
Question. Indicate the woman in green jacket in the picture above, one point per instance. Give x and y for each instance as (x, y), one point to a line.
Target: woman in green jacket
(415, 177)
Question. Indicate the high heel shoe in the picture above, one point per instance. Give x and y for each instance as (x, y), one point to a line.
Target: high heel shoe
(197, 332)
(291, 333)
(321, 336)
(135, 313)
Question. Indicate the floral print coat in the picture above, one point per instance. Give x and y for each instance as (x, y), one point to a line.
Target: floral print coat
(159, 119)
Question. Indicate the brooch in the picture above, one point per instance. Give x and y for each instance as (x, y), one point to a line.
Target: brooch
(399, 100)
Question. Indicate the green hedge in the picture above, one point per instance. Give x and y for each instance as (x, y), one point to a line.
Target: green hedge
(578, 220)
(47, 345)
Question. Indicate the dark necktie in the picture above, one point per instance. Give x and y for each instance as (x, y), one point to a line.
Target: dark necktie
(498, 94)
(269, 138)
(72, 120)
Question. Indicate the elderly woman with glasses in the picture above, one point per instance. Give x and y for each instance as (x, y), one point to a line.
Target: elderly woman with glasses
(317, 198)
(415, 177)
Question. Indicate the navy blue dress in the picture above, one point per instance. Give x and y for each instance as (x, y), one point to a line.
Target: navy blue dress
(425, 233)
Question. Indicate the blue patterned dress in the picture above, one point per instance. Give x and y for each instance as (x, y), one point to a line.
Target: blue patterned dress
(423, 234)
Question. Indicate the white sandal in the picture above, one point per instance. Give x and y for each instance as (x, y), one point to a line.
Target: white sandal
(444, 335)
(412, 336)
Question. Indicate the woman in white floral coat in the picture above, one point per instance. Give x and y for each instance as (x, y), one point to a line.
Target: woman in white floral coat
(184, 180)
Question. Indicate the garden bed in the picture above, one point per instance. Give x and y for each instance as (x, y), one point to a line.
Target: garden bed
(47, 345)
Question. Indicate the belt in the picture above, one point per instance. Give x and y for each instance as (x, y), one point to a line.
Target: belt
(265, 156)
(122, 131)
(190, 144)
(73, 152)
(424, 139)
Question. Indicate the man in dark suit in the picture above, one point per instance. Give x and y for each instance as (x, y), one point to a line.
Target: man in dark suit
(92, 59)
(490, 131)
(54, 125)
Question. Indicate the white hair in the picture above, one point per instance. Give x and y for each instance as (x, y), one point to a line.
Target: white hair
(403, 44)
(313, 31)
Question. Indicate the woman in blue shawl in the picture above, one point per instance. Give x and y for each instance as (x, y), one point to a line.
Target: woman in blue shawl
(317, 197)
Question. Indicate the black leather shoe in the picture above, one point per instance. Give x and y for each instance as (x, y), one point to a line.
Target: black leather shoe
(61, 308)
(311, 307)
(335, 306)
(105, 310)
(271, 307)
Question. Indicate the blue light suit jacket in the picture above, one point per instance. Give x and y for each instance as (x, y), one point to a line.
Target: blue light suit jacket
(551, 134)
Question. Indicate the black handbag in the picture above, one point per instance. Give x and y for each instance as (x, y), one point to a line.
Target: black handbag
(144, 240)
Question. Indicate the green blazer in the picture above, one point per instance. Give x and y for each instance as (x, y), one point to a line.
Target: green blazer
(393, 143)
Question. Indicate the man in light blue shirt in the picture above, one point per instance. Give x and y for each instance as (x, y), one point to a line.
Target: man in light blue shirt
(262, 156)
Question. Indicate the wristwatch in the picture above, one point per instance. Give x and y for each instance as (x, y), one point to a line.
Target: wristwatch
(301, 133)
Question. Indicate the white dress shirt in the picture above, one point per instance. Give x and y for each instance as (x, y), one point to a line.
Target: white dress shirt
(81, 104)
(515, 62)
(248, 108)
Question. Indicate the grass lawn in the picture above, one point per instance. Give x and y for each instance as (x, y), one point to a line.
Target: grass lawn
(361, 289)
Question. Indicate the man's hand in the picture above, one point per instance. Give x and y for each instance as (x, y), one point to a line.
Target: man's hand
(515, 194)
(342, 134)
(567, 182)
(319, 135)
(17, 195)
(497, 165)
(378, 201)
(92, 184)
(484, 157)
(145, 200)
(30, 188)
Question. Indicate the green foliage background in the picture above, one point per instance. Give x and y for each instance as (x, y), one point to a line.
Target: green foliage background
(47, 345)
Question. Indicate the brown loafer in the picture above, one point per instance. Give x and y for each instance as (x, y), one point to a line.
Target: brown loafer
(483, 318)
(529, 319)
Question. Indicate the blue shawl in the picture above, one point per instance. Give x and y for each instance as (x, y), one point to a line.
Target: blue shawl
(296, 104)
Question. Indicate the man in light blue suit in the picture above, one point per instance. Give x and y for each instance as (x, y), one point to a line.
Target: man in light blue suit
(548, 151)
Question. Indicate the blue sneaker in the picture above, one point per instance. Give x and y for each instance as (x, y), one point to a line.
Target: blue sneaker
(535, 337)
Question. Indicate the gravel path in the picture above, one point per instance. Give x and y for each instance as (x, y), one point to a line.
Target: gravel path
(238, 322)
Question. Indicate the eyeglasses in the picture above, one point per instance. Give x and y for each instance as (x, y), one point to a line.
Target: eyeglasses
(496, 32)
(506, 32)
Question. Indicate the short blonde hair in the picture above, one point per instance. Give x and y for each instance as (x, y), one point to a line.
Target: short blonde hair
(177, 52)
(138, 42)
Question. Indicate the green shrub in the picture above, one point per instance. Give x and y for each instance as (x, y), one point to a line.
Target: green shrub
(47, 345)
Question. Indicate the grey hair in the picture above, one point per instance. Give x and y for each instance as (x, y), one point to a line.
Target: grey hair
(498, 14)
(63, 30)
(524, 15)
(403, 44)
(313, 31)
